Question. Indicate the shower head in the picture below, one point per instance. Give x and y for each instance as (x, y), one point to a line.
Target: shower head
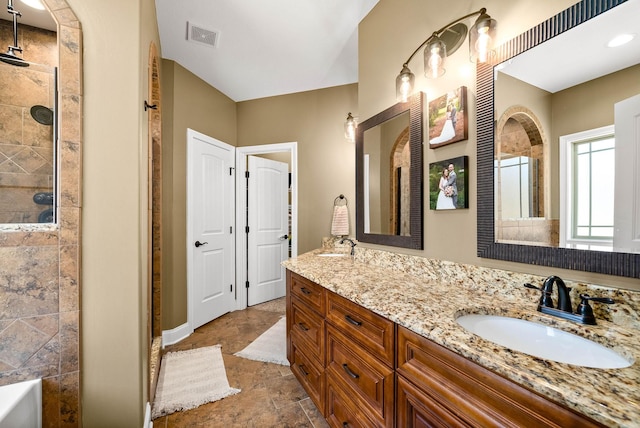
(10, 57)
(13, 59)
(42, 114)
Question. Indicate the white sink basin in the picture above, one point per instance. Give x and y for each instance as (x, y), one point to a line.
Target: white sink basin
(542, 341)
(331, 255)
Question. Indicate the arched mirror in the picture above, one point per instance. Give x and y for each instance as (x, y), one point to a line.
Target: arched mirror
(389, 176)
(28, 97)
(558, 161)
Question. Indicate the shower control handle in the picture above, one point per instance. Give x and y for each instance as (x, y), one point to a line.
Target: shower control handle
(199, 244)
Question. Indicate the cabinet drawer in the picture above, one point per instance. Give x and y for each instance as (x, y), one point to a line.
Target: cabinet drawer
(310, 375)
(342, 412)
(308, 327)
(370, 330)
(309, 292)
(370, 382)
(480, 396)
(417, 409)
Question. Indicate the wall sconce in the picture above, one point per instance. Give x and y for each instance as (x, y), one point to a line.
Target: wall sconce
(350, 126)
(445, 42)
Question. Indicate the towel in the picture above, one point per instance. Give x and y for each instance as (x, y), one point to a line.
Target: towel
(340, 222)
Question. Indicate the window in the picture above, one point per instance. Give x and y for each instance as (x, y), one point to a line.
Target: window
(587, 162)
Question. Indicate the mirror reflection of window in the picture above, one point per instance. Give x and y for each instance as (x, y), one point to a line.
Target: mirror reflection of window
(518, 181)
(588, 171)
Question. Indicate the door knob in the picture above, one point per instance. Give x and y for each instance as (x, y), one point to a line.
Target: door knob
(283, 237)
(199, 244)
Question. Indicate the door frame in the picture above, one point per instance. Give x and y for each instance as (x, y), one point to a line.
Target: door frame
(241, 208)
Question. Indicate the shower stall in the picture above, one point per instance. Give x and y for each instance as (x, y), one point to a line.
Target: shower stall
(28, 127)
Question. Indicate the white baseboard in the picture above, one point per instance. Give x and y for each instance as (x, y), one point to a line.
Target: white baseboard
(169, 337)
(147, 417)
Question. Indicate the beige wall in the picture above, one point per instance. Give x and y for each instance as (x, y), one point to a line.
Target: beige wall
(188, 102)
(114, 223)
(113, 335)
(326, 160)
(387, 36)
(314, 119)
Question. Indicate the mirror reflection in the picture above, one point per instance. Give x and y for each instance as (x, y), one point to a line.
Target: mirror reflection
(565, 149)
(27, 120)
(389, 176)
(387, 159)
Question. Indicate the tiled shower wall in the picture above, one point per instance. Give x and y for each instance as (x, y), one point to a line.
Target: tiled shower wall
(40, 264)
(26, 146)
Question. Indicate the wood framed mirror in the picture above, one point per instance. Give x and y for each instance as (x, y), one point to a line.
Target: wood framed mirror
(389, 176)
(621, 262)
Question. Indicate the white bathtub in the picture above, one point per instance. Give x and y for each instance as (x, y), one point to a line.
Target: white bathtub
(21, 405)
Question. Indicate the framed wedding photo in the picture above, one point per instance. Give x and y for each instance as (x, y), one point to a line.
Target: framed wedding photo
(448, 118)
(449, 184)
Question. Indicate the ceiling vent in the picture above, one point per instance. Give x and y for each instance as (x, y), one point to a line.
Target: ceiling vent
(202, 35)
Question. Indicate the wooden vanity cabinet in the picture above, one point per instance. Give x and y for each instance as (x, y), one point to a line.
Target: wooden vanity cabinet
(363, 370)
(360, 363)
(437, 387)
(305, 335)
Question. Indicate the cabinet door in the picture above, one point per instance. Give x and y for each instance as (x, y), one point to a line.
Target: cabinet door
(309, 292)
(310, 375)
(342, 412)
(364, 377)
(480, 396)
(416, 409)
(374, 333)
(307, 327)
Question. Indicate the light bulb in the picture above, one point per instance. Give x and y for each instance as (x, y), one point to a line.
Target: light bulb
(404, 84)
(434, 59)
(350, 126)
(482, 44)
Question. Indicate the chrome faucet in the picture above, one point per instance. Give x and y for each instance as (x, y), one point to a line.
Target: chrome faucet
(353, 244)
(584, 312)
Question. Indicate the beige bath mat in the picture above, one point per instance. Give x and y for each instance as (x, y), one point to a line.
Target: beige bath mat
(270, 347)
(189, 379)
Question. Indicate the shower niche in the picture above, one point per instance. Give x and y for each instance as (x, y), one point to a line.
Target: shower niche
(28, 125)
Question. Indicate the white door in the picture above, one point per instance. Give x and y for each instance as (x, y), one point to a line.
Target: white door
(268, 220)
(626, 235)
(210, 234)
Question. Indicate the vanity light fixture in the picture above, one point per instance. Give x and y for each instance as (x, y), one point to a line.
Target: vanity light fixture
(350, 126)
(445, 42)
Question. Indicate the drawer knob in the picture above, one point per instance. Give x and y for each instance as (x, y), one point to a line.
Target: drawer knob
(345, 425)
(305, 291)
(349, 372)
(352, 321)
(303, 327)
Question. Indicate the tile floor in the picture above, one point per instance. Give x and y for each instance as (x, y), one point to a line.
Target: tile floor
(270, 397)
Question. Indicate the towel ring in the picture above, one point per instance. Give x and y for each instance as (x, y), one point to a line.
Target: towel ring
(337, 200)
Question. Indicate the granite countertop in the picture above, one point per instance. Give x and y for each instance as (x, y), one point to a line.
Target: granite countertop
(430, 307)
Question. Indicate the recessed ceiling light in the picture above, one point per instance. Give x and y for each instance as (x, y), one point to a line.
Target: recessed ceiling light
(620, 40)
(36, 4)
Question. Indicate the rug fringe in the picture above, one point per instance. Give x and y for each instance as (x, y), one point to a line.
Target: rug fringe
(255, 357)
(193, 404)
